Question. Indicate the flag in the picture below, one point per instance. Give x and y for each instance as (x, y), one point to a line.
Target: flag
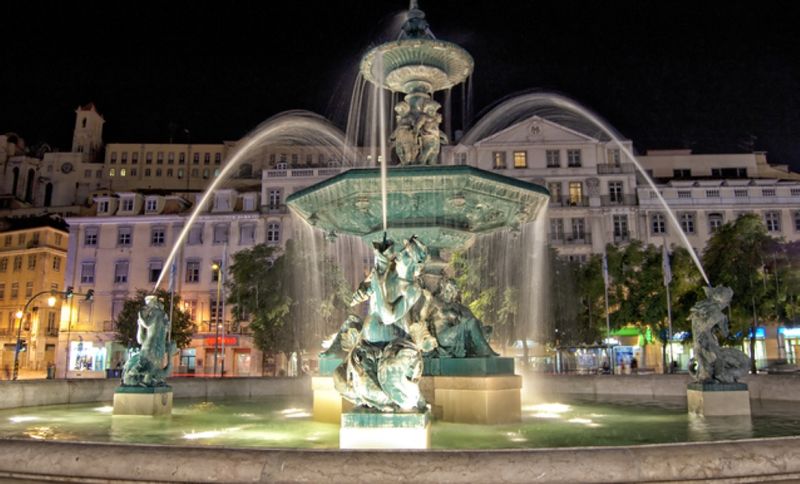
(173, 269)
(605, 269)
(665, 265)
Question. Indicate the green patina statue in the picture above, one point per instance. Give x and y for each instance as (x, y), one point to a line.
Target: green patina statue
(383, 353)
(144, 367)
(713, 363)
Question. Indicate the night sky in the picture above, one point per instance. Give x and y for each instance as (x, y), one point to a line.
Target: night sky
(711, 76)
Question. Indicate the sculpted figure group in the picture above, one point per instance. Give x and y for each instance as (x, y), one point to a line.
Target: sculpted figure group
(146, 367)
(383, 353)
(417, 139)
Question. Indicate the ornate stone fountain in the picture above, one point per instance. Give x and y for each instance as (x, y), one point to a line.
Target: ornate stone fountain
(416, 323)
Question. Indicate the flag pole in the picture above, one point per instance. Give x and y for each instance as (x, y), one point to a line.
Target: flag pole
(608, 318)
(667, 280)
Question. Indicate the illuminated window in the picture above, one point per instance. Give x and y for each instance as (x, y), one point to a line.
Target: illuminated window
(112, 172)
(520, 159)
(123, 172)
(499, 160)
(575, 193)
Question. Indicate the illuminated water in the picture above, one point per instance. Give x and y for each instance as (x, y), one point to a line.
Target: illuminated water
(282, 422)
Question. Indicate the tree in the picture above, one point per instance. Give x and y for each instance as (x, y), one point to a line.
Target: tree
(292, 300)
(127, 324)
(735, 257)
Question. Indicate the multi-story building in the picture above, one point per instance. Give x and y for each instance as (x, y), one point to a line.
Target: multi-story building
(122, 247)
(32, 261)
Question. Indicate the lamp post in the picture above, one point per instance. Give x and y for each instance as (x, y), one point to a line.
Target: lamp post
(218, 269)
(51, 301)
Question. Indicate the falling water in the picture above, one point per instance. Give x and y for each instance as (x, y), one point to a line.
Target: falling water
(552, 106)
(287, 128)
(382, 128)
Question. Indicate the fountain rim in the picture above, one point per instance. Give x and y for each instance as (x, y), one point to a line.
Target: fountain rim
(419, 171)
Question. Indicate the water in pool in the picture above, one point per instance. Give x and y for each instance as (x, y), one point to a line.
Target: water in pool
(283, 422)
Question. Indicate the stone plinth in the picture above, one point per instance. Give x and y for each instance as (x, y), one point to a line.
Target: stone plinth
(366, 430)
(148, 401)
(718, 399)
(328, 404)
(482, 366)
(494, 399)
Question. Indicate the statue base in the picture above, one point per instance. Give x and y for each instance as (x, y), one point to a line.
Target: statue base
(366, 430)
(148, 401)
(718, 399)
(488, 400)
(328, 404)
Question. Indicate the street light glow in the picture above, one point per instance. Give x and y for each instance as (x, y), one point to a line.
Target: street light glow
(18, 314)
(51, 301)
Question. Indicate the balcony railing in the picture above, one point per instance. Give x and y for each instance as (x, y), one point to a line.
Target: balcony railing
(621, 237)
(615, 200)
(303, 172)
(567, 201)
(571, 239)
(280, 208)
(604, 169)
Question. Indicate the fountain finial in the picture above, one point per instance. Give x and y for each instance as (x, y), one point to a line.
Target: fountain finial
(416, 27)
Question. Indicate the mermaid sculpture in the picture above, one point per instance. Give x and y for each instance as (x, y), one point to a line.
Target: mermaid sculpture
(145, 367)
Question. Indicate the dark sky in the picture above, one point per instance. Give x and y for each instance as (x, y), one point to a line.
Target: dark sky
(712, 76)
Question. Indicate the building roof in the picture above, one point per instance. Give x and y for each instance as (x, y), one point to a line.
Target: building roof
(11, 224)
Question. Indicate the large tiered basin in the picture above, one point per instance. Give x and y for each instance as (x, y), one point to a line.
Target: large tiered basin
(445, 206)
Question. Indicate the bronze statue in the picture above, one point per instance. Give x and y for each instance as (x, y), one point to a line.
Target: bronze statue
(144, 367)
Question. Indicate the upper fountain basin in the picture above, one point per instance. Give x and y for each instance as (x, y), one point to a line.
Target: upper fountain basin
(445, 206)
(413, 65)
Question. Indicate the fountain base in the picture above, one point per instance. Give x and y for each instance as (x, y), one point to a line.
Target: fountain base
(328, 403)
(718, 400)
(367, 430)
(147, 401)
(486, 400)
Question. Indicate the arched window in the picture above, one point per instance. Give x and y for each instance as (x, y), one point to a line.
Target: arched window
(29, 185)
(15, 182)
(48, 194)
(83, 123)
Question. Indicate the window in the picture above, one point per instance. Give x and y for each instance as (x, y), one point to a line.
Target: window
(712, 193)
(196, 159)
(461, 159)
(195, 235)
(135, 158)
(87, 272)
(687, 222)
(499, 160)
(578, 229)
(190, 307)
(114, 157)
(21, 239)
(3, 264)
(773, 221)
(57, 264)
(150, 205)
(8, 241)
(294, 160)
(29, 289)
(247, 234)
(556, 229)
(51, 323)
(729, 172)
(553, 158)
(98, 174)
(35, 238)
(31, 262)
(90, 237)
(127, 204)
(154, 270)
(112, 172)
(795, 192)
(714, 221)
(148, 159)
(768, 192)
(182, 159)
(248, 204)
(215, 312)
(124, 236)
(17, 263)
(218, 158)
(58, 238)
(14, 290)
(102, 206)
(171, 159)
(797, 221)
(615, 192)
(147, 172)
(124, 158)
(2, 291)
(170, 173)
(740, 193)
(682, 173)
(620, 223)
(574, 158)
(215, 272)
(575, 193)
(121, 272)
(207, 158)
(684, 194)
(87, 173)
(555, 191)
(221, 233)
(158, 172)
(157, 236)
(520, 159)
(273, 233)
(160, 158)
(192, 271)
(206, 173)
(274, 198)
(614, 157)
(180, 173)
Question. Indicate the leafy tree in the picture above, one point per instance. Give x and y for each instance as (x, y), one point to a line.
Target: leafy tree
(290, 299)
(735, 257)
(127, 324)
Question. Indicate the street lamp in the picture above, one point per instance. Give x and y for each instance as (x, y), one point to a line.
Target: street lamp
(216, 267)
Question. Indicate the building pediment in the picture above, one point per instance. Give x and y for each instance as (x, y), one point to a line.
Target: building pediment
(536, 130)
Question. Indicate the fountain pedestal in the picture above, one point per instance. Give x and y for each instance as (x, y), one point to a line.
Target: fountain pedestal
(372, 430)
(474, 390)
(718, 399)
(149, 401)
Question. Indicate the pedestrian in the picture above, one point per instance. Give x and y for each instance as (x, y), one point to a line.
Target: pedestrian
(634, 365)
(7, 371)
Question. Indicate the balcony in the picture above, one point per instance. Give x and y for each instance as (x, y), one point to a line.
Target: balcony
(620, 237)
(276, 209)
(571, 239)
(303, 172)
(617, 200)
(567, 201)
(604, 169)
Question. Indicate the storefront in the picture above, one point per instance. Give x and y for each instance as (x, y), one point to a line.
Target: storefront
(209, 355)
(760, 347)
(789, 344)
